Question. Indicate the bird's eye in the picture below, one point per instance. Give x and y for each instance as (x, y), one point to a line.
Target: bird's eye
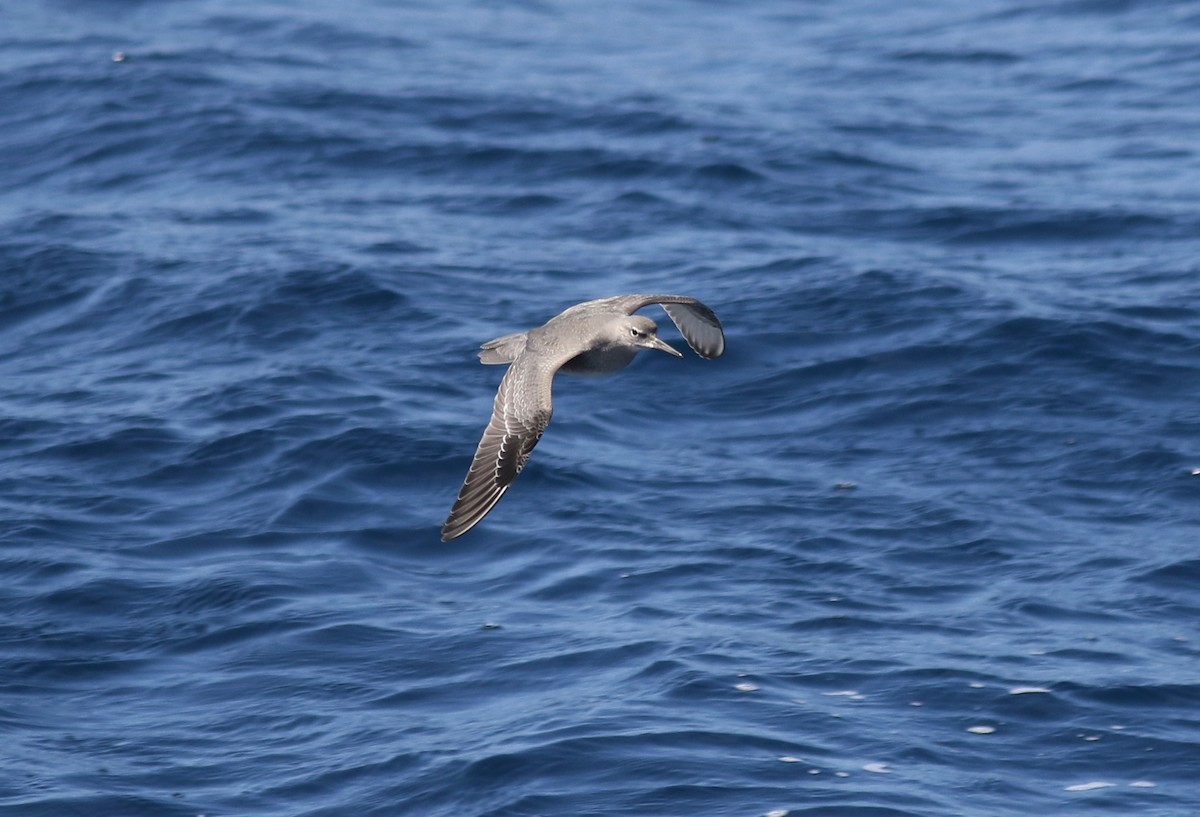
(637, 333)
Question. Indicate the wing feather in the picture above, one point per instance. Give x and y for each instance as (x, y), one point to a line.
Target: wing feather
(520, 414)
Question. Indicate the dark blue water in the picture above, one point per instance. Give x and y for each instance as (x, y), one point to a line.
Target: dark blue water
(926, 541)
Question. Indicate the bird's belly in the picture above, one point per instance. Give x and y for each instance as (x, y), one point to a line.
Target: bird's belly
(599, 362)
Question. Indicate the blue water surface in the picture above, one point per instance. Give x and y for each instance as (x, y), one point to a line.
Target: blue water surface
(924, 543)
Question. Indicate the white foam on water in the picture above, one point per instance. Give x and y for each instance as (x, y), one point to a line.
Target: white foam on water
(1097, 784)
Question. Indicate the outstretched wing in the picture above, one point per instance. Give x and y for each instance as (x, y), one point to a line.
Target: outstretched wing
(520, 415)
(696, 322)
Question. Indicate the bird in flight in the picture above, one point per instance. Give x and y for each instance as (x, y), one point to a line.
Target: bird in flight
(594, 338)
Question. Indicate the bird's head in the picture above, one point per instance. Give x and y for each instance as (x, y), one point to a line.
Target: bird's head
(638, 330)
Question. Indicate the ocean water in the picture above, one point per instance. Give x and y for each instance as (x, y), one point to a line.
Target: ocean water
(924, 542)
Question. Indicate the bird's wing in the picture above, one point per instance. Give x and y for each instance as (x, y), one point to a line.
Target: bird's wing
(696, 322)
(519, 417)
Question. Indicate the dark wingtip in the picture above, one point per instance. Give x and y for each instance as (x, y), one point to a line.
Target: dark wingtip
(453, 529)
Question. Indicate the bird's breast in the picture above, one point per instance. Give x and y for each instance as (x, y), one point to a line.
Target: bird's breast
(599, 362)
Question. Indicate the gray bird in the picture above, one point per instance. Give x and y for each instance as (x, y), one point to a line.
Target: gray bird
(592, 338)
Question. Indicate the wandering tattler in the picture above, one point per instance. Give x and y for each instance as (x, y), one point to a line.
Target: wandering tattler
(592, 338)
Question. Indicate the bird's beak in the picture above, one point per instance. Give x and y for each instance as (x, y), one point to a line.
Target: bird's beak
(660, 344)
